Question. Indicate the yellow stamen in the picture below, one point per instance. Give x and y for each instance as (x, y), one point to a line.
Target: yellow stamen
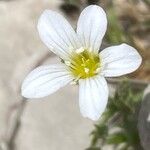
(80, 50)
(83, 64)
(68, 63)
(86, 70)
(97, 70)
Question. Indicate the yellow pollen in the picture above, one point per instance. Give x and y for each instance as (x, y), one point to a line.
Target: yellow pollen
(97, 70)
(86, 70)
(84, 64)
(73, 83)
(80, 50)
(68, 63)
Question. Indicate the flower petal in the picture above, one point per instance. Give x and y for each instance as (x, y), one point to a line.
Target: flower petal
(92, 25)
(57, 33)
(93, 96)
(119, 60)
(45, 80)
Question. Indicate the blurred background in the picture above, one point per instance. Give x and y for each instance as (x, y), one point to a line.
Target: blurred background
(55, 122)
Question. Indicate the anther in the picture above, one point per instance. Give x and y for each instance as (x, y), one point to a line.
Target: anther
(97, 70)
(86, 70)
(82, 60)
(68, 63)
(80, 50)
(73, 82)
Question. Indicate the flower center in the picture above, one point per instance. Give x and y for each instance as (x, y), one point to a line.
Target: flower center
(84, 64)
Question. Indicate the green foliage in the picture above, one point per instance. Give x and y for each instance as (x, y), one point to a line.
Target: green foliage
(94, 148)
(147, 2)
(117, 138)
(119, 122)
(72, 2)
(115, 33)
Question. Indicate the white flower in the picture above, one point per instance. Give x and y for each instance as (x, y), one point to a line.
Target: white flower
(81, 59)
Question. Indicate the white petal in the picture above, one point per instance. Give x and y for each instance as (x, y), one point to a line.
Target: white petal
(45, 80)
(91, 27)
(57, 33)
(119, 60)
(93, 96)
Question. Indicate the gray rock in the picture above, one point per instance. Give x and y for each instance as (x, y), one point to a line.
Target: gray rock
(19, 43)
(54, 123)
(144, 120)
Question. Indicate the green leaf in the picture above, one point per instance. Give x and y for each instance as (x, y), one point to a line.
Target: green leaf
(126, 103)
(117, 138)
(94, 148)
(115, 33)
